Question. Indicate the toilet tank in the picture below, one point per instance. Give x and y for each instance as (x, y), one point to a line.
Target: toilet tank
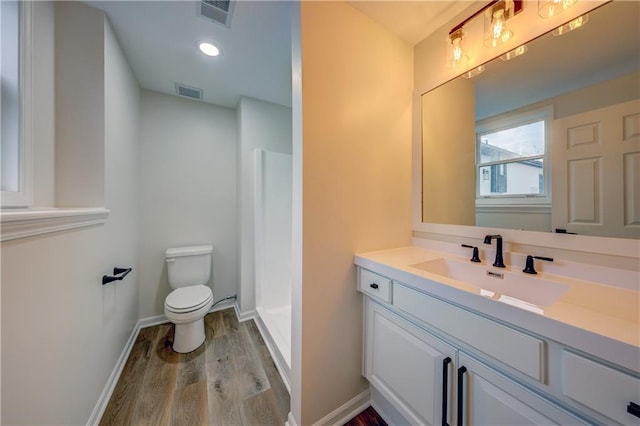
(187, 266)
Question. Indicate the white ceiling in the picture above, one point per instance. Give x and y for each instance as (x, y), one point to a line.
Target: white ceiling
(160, 39)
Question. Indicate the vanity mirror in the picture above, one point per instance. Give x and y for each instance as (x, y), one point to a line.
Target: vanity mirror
(546, 141)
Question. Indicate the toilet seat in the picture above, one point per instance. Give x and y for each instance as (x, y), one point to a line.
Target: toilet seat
(188, 299)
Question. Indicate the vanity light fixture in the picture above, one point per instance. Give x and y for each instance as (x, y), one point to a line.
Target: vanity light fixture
(574, 24)
(208, 48)
(496, 14)
(550, 8)
(455, 55)
(495, 23)
(520, 50)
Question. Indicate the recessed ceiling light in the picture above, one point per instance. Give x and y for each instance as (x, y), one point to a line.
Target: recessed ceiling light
(208, 49)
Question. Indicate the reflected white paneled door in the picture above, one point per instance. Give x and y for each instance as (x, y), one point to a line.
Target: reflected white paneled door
(596, 171)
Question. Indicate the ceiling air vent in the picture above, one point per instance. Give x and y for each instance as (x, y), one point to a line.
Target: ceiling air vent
(188, 91)
(218, 11)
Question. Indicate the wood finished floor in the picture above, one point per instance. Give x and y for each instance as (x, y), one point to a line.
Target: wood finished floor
(368, 417)
(230, 380)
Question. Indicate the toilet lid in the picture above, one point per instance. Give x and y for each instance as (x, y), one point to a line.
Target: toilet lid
(188, 298)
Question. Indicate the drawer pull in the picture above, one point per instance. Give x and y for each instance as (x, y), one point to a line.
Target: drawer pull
(633, 409)
(445, 391)
(373, 285)
(461, 372)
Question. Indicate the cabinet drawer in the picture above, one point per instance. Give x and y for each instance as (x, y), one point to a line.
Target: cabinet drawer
(375, 285)
(518, 350)
(599, 387)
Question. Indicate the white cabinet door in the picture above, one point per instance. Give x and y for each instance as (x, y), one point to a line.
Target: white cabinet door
(488, 398)
(406, 365)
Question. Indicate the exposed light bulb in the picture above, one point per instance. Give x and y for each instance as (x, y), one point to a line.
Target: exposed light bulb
(498, 32)
(520, 50)
(550, 8)
(498, 23)
(457, 50)
(474, 72)
(456, 55)
(575, 24)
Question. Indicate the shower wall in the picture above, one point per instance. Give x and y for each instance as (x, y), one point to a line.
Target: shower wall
(272, 216)
(261, 125)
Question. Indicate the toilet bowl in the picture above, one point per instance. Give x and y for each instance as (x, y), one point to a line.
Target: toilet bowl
(189, 269)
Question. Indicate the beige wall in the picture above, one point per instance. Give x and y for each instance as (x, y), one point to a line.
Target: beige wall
(356, 106)
(448, 154)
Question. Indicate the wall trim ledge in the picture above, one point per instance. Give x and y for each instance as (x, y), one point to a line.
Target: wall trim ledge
(16, 224)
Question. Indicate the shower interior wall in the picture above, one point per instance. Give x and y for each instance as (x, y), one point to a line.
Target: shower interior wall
(273, 246)
(261, 125)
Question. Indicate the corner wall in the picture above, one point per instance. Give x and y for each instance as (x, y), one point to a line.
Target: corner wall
(357, 82)
(187, 182)
(79, 106)
(266, 126)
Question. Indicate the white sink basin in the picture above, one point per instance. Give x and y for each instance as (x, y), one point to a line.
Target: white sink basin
(512, 287)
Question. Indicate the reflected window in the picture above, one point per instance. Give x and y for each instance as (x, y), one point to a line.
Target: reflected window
(510, 157)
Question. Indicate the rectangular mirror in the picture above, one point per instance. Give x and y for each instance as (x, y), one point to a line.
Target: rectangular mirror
(546, 141)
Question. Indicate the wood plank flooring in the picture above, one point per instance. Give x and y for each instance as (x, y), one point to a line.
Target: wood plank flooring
(368, 417)
(230, 380)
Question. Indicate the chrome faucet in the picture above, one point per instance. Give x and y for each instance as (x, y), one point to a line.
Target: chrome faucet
(499, 263)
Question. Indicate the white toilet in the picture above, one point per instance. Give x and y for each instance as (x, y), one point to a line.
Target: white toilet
(189, 270)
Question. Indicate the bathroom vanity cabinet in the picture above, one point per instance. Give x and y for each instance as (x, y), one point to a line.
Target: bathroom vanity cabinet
(434, 360)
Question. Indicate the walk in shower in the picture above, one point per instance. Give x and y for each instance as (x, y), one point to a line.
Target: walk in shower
(272, 214)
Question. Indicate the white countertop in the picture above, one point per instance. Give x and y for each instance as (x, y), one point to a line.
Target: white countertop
(599, 319)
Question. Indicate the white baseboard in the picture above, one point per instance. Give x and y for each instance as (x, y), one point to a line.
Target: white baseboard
(346, 411)
(291, 421)
(243, 316)
(107, 391)
(385, 409)
(151, 321)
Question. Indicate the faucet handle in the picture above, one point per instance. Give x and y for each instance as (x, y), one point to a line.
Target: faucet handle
(488, 238)
(529, 269)
(475, 257)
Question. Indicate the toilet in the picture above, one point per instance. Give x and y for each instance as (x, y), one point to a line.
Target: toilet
(189, 270)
